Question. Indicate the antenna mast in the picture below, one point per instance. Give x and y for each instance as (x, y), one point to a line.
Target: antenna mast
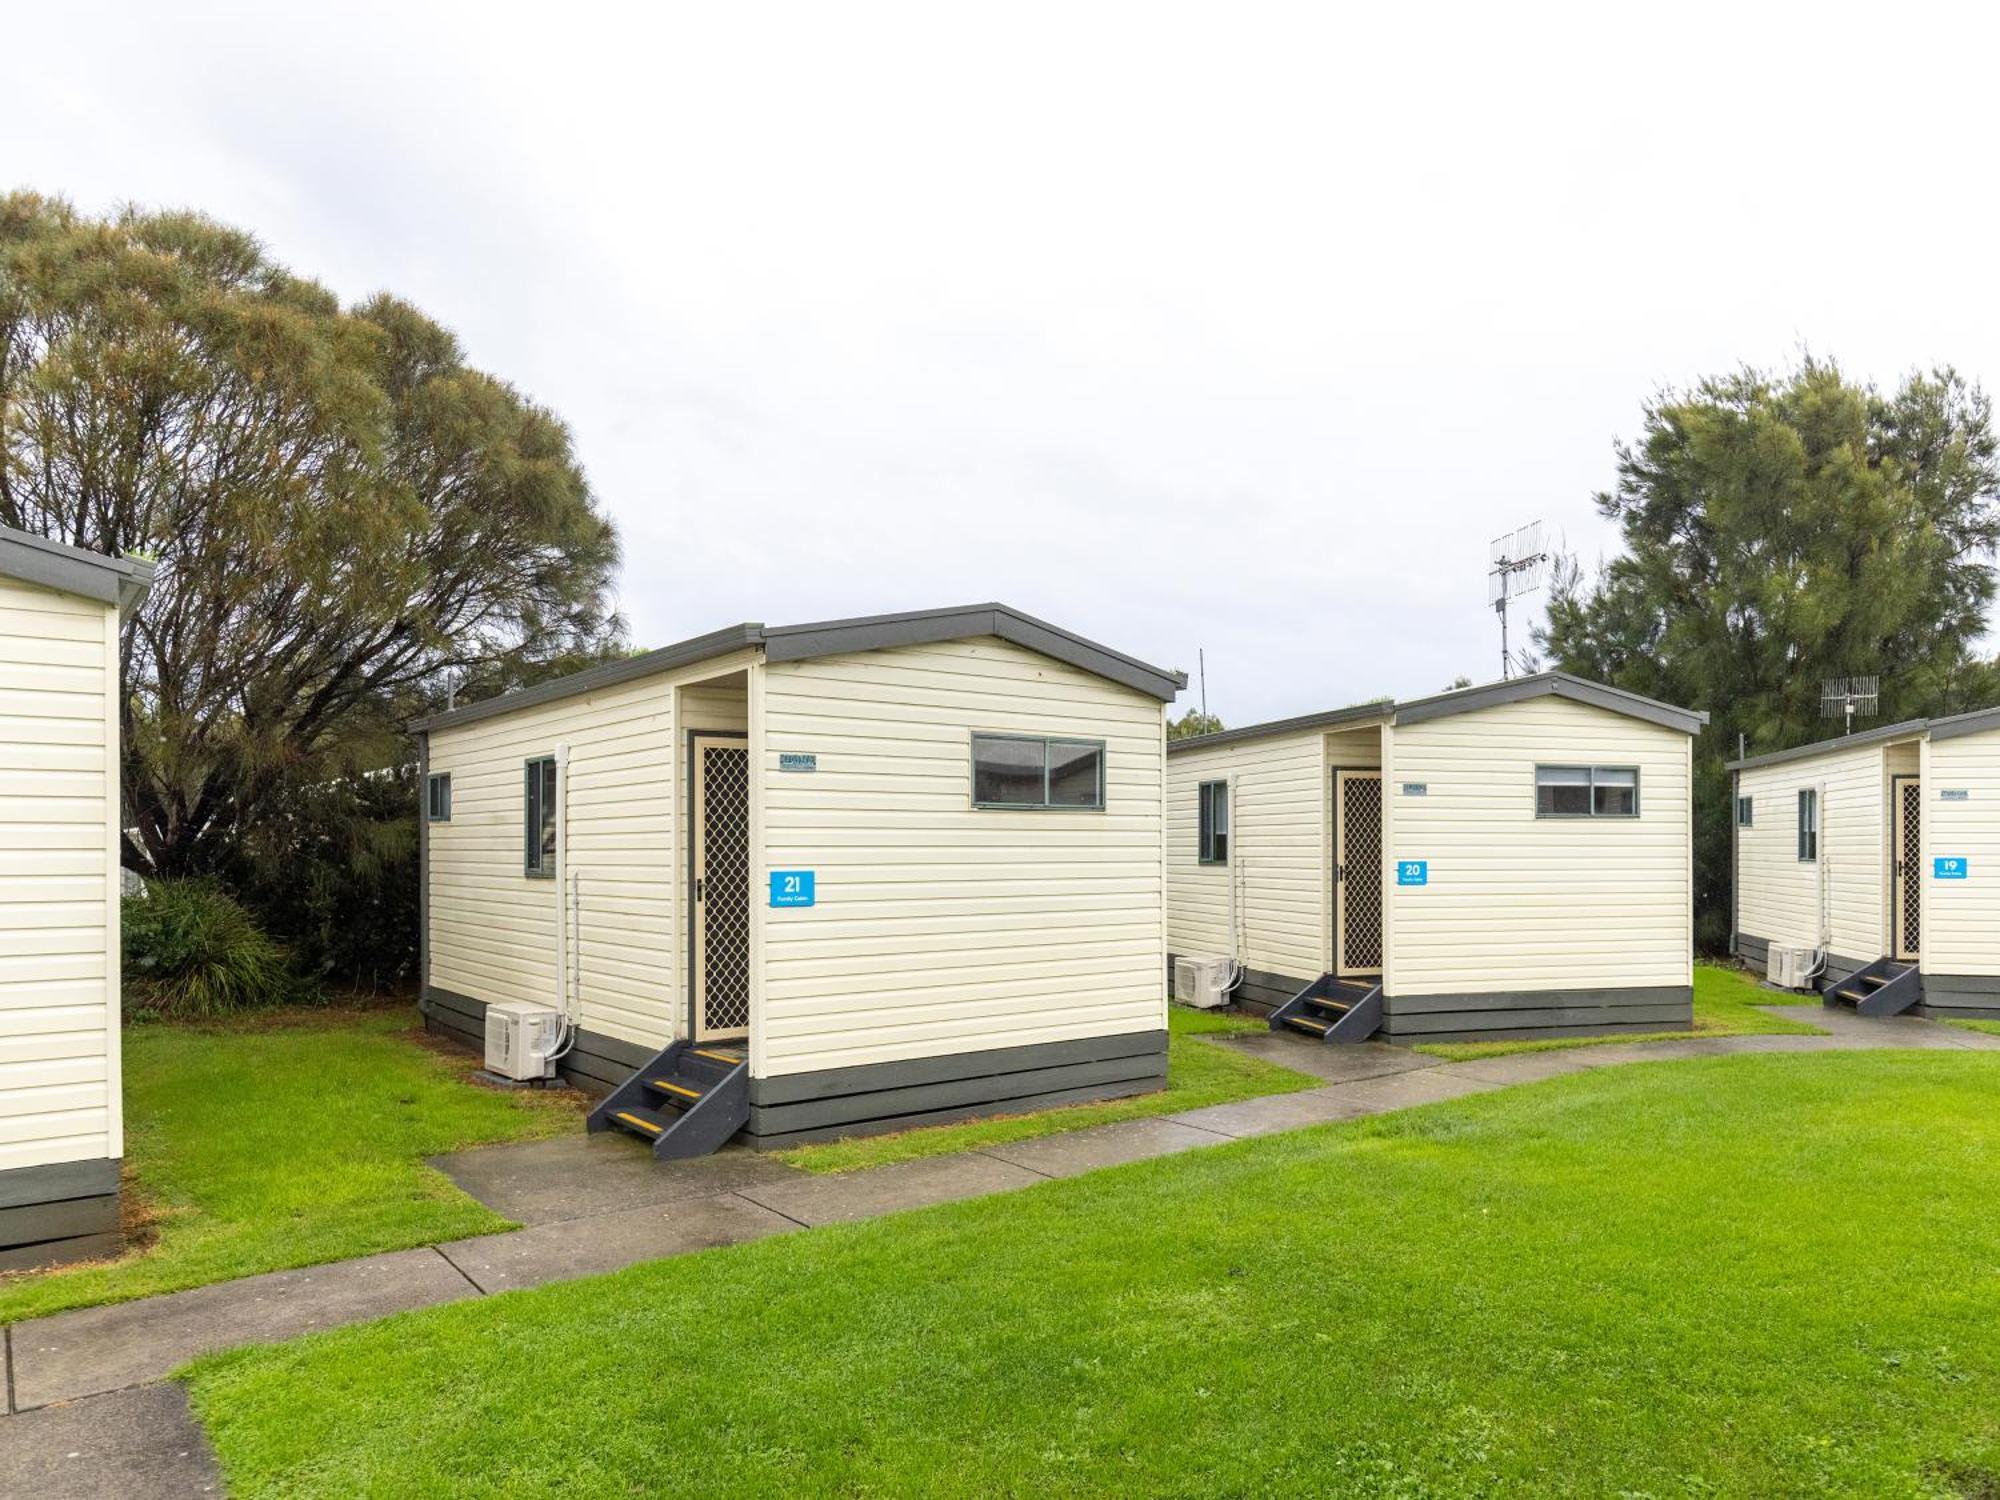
(1520, 565)
(1845, 697)
(1201, 665)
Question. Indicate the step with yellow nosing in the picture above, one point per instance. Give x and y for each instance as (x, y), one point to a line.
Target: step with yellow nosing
(646, 1125)
(674, 1088)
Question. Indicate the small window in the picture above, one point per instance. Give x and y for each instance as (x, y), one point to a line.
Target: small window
(539, 788)
(1809, 824)
(1015, 771)
(1214, 822)
(1586, 792)
(1745, 813)
(437, 797)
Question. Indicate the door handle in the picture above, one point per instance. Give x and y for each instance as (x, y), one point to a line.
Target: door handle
(697, 888)
(1339, 874)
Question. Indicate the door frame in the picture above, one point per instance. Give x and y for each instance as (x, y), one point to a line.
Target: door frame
(693, 926)
(1341, 775)
(1900, 882)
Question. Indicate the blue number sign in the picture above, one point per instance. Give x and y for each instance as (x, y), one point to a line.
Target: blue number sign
(1949, 867)
(791, 887)
(1413, 872)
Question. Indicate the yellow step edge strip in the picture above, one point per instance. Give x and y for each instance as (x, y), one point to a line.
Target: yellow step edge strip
(675, 1088)
(646, 1125)
(714, 1056)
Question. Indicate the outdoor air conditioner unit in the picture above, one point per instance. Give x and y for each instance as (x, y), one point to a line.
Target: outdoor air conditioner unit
(1198, 981)
(1790, 967)
(520, 1035)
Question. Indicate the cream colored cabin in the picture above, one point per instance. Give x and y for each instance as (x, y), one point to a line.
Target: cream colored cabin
(909, 868)
(61, 1123)
(1878, 849)
(1502, 861)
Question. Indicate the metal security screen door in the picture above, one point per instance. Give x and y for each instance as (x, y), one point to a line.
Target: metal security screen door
(1908, 868)
(1357, 889)
(721, 939)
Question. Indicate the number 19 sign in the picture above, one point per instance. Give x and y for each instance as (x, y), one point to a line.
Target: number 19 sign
(791, 887)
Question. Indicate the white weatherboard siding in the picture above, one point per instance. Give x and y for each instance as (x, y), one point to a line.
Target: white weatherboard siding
(58, 878)
(1277, 854)
(940, 928)
(1520, 903)
(1778, 895)
(1961, 918)
(492, 927)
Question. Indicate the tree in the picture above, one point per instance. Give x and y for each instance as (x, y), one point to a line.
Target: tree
(342, 510)
(1780, 531)
(1192, 723)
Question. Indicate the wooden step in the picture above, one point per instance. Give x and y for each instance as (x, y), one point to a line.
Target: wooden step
(677, 1093)
(641, 1121)
(1307, 1023)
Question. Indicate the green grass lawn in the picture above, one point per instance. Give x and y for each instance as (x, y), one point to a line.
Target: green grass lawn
(1767, 1275)
(1991, 1028)
(289, 1142)
(1726, 1003)
(1197, 1074)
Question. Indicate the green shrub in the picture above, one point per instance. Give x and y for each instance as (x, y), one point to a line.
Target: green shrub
(192, 953)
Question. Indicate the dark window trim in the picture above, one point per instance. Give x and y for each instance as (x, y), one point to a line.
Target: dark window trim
(1746, 811)
(432, 781)
(1590, 771)
(1205, 823)
(532, 782)
(1808, 796)
(1044, 740)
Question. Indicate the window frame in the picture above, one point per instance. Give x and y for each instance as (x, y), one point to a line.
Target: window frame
(433, 782)
(1746, 810)
(1045, 741)
(1204, 820)
(539, 778)
(1808, 804)
(1591, 772)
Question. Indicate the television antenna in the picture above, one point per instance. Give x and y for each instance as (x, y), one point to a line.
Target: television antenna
(1520, 565)
(1845, 697)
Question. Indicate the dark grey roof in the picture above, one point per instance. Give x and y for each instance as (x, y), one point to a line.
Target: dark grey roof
(1977, 722)
(122, 581)
(1470, 700)
(833, 637)
(1948, 728)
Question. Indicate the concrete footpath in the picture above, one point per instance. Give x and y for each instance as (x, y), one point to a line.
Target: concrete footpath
(85, 1415)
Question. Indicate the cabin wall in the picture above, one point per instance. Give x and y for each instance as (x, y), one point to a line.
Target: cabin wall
(1278, 860)
(956, 959)
(61, 1123)
(1961, 917)
(1527, 924)
(1779, 896)
(491, 927)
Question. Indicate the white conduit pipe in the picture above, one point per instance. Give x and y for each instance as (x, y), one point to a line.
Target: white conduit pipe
(1235, 869)
(566, 924)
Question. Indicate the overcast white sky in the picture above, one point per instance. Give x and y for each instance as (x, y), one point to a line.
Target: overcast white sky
(1234, 327)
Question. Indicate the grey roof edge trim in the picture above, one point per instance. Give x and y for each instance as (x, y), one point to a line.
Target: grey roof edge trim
(923, 626)
(1464, 701)
(1976, 722)
(1360, 713)
(1907, 729)
(122, 581)
(1557, 685)
(626, 669)
(828, 637)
